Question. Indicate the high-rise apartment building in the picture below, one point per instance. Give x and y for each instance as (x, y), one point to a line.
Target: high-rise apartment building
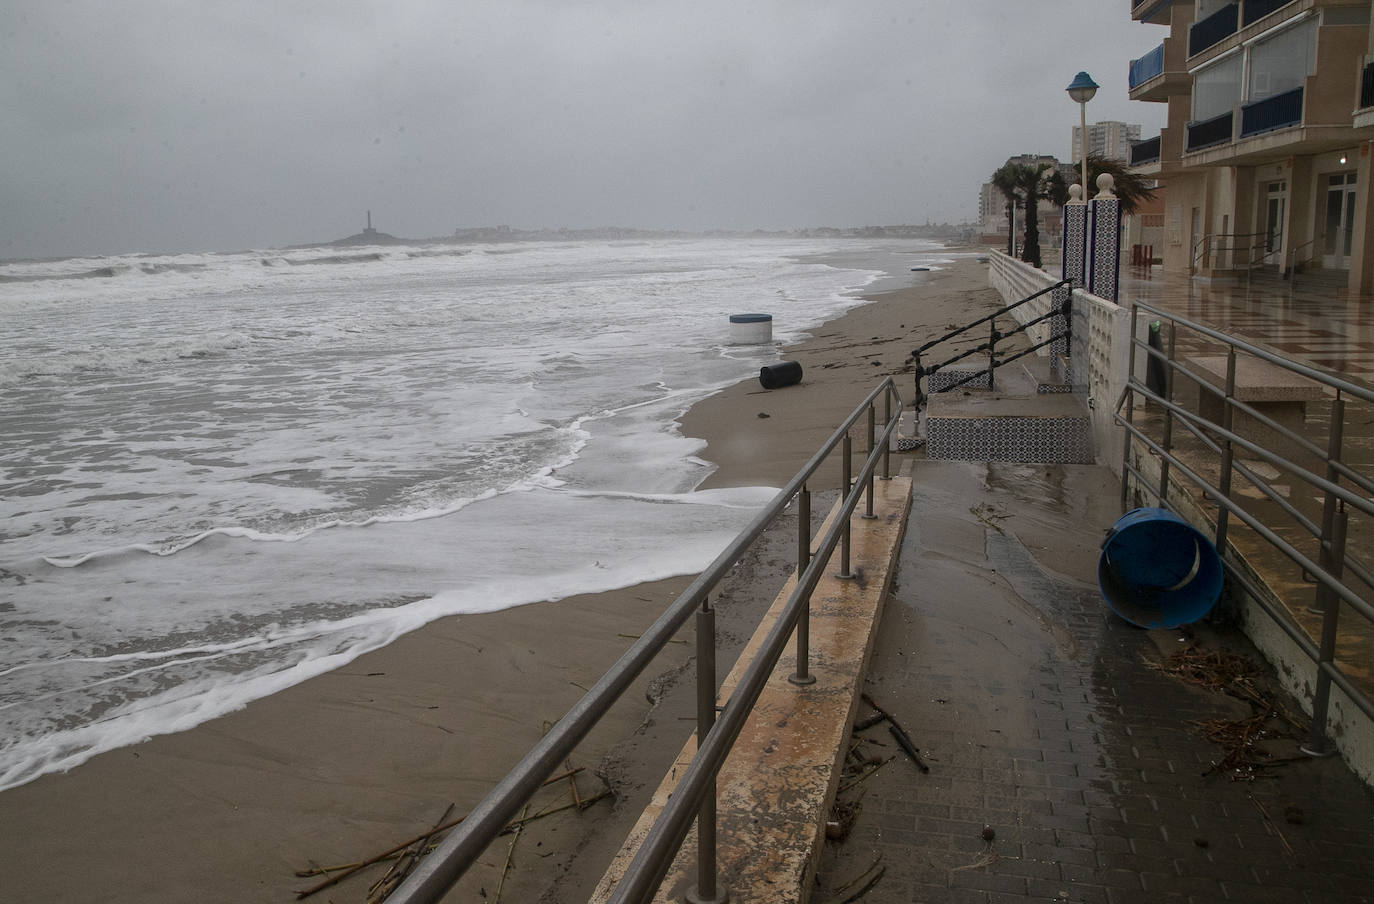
(1110, 139)
(1266, 155)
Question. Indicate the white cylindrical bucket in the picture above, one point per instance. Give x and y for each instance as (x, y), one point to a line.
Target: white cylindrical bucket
(751, 329)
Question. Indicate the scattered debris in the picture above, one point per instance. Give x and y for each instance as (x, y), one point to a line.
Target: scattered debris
(989, 515)
(898, 733)
(1240, 739)
(408, 853)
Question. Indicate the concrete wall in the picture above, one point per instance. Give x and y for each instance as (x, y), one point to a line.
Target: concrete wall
(1100, 354)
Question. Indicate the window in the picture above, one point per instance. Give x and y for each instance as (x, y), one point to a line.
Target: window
(1216, 89)
(1281, 63)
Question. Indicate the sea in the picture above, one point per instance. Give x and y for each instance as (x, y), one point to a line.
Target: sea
(223, 474)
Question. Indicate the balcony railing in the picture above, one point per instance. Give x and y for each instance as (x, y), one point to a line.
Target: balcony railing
(1147, 67)
(1208, 132)
(1254, 10)
(1146, 151)
(1271, 113)
(1367, 86)
(1213, 29)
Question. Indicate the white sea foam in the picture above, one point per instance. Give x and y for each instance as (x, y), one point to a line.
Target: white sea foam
(221, 474)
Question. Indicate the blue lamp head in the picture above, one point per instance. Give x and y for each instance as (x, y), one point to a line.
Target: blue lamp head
(1082, 88)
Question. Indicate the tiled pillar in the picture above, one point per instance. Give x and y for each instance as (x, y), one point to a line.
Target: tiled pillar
(1104, 240)
(1075, 236)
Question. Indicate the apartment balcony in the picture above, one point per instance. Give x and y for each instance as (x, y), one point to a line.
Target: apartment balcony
(1145, 152)
(1364, 115)
(1214, 29)
(1208, 133)
(1160, 74)
(1154, 12)
(1277, 112)
(1254, 10)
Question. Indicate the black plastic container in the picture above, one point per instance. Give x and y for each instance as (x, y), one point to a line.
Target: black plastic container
(784, 373)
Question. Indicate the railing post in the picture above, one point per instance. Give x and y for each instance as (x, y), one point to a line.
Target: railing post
(1228, 455)
(705, 891)
(1334, 439)
(1317, 742)
(1168, 441)
(1129, 415)
(802, 676)
(887, 419)
(868, 484)
(846, 453)
(992, 353)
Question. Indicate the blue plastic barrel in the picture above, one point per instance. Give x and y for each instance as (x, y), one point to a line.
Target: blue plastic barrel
(1158, 571)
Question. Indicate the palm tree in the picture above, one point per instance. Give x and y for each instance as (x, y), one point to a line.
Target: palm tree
(1007, 180)
(1037, 180)
(1132, 189)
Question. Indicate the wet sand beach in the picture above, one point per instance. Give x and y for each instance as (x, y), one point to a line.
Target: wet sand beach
(351, 763)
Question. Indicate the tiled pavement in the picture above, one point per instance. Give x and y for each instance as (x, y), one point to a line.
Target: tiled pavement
(1062, 766)
(1311, 320)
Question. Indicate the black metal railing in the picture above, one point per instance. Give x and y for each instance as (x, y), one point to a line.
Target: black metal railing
(1207, 132)
(1276, 112)
(1254, 10)
(693, 800)
(1064, 310)
(1213, 29)
(1367, 86)
(1146, 151)
(1147, 67)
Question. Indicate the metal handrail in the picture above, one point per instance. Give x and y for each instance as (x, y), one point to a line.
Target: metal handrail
(1333, 559)
(654, 857)
(991, 345)
(993, 316)
(445, 865)
(1205, 243)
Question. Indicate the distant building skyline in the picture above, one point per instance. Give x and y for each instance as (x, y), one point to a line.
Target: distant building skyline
(1109, 139)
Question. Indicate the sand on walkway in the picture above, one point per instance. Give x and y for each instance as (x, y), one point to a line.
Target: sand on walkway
(350, 763)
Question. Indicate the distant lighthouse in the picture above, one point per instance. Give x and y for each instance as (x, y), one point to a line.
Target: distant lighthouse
(369, 230)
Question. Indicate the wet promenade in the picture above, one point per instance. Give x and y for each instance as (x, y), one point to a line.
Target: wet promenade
(1072, 756)
(1068, 751)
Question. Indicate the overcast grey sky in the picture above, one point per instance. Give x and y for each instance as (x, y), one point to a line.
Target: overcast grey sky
(165, 126)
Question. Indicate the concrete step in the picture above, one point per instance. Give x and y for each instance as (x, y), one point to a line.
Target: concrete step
(1032, 415)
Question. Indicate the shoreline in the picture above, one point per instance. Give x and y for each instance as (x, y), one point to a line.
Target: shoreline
(351, 762)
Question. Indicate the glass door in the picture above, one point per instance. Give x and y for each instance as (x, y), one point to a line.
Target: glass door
(1275, 202)
(1340, 221)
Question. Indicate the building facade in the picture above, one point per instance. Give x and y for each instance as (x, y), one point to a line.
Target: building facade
(1110, 139)
(1266, 154)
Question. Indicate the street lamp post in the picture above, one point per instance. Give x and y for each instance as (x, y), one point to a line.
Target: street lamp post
(1081, 90)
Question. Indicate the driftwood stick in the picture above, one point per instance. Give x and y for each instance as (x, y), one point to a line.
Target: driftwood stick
(405, 863)
(855, 881)
(361, 864)
(572, 784)
(899, 733)
(510, 851)
(867, 886)
(586, 802)
(864, 775)
(562, 775)
(906, 745)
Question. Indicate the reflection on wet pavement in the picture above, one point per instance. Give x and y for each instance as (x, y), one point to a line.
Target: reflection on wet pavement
(1063, 767)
